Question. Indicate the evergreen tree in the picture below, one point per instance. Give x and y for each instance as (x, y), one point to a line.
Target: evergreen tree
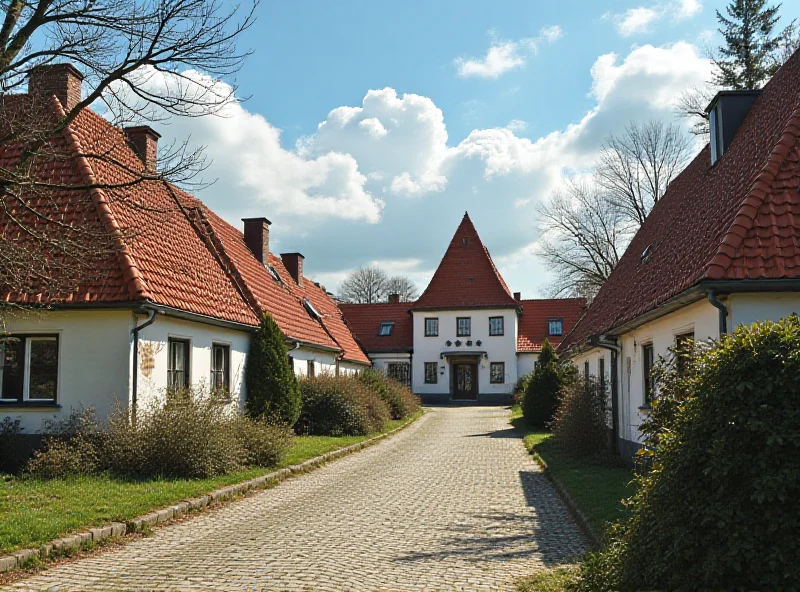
(541, 397)
(747, 61)
(272, 389)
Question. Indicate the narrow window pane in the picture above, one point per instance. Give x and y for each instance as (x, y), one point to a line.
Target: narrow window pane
(13, 368)
(43, 369)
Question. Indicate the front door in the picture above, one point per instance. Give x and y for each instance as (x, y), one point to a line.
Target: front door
(465, 377)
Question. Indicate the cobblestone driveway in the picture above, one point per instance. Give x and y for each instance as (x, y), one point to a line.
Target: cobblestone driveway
(451, 503)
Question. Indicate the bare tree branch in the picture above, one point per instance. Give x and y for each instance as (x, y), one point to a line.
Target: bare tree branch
(365, 285)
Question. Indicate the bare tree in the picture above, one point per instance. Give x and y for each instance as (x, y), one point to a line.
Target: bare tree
(584, 236)
(119, 47)
(365, 285)
(692, 105)
(635, 167)
(403, 287)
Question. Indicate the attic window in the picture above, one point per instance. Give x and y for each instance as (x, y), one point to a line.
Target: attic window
(274, 274)
(645, 254)
(386, 329)
(311, 310)
(464, 242)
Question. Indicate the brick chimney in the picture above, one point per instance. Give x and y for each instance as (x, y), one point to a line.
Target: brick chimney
(144, 141)
(517, 296)
(256, 237)
(61, 80)
(294, 265)
(394, 298)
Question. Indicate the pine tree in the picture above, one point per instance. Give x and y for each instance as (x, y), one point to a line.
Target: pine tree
(747, 61)
(272, 389)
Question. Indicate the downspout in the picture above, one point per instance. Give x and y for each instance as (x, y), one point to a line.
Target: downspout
(296, 347)
(723, 311)
(615, 351)
(135, 386)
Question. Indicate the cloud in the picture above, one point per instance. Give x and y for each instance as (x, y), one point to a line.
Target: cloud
(383, 182)
(503, 56)
(639, 20)
(517, 125)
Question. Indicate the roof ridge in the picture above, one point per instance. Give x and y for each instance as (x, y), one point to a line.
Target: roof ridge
(755, 197)
(134, 282)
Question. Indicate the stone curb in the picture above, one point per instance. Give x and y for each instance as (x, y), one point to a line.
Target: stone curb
(580, 518)
(18, 559)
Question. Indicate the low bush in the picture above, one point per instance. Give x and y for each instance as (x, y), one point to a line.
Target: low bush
(579, 426)
(12, 448)
(541, 396)
(340, 406)
(186, 435)
(521, 387)
(401, 401)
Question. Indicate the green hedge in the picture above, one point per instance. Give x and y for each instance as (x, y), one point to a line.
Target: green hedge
(340, 406)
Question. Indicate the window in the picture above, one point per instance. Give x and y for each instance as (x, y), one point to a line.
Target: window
(586, 369)
(495, 325)
(463, 326)
(386, 329)
(29, 368)
(220, 368)
(431, 373)
(683, 350)
(601, 371)
(555, 326)
(178, 363)
(399, 371)
(647, 369)
(431, 327)
(497, 372)
(311, 310)
(291, 364)
(310, 368)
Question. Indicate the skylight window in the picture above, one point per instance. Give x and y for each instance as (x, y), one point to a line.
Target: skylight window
(274, 274)
(311, 310)
(645, 254)
(386, 329)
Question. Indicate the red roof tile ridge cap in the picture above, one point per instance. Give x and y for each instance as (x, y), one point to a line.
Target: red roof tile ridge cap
(137, 288)
(757, 193)
(216, 247)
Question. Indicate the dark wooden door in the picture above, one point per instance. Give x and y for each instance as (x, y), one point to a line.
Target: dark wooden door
(465, 381)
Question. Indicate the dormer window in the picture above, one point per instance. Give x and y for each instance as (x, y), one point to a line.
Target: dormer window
(555, 326)
(386, 329)
(311, 310)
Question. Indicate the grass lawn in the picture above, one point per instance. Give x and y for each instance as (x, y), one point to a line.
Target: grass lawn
(595, 487)
(33, 512)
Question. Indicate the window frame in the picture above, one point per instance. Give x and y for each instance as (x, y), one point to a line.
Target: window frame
(680, 361)
(24, 396)
(311, 371)
(601, 372)
(435, 366)
(648, 362)
(458, 326)
(560, 321)
(390, 325)
(434, 320)
(502, 326)
(502, 366)
(226, 370)
(187, 362)
(404, 377)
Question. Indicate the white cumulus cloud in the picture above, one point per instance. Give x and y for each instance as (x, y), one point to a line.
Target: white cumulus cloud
(640, 19)
(503, 56)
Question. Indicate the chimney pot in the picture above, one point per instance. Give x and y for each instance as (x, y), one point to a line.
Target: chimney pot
(394, 298)
(256, 237)
(61, 80)
(517, 295)
(294, 265)
(144, 141)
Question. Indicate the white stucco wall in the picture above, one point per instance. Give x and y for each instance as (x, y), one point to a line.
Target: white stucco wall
(347, 368)
(499, 349)
(765, 306)
(380, 362)
(324, 362)
(526, 363)
(94, 361)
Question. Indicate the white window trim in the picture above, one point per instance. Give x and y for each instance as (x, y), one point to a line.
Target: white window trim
(26, 377)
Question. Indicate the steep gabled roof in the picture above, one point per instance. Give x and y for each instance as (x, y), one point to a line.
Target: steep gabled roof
(466, 276)
(736, 220)
(364, 320)
(533, 327)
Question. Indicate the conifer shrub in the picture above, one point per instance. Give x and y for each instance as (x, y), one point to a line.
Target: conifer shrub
(717, 509)
(579, 426)
(272, 389)
(340, 406)
(541, 396)
(401, 401)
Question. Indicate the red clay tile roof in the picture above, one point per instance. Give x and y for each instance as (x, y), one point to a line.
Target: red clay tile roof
(364, 320)
(739, 219)
(466, 276)
(533, 324)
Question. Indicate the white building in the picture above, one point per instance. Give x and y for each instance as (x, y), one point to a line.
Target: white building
(720, 249)
(174, 300)
(467, 337)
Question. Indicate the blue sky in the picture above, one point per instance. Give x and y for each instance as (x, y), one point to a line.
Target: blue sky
(371, 127)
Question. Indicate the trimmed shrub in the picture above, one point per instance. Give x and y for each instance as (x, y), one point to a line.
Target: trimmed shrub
(521, 387)
(70, 447)
(579, 425)
(265, 444)
(541, 397)
(401, 401)
(272, 389)
(718, 507)
(340, 406)
(12, 448)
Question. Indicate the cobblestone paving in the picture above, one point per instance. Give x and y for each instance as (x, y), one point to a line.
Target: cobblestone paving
(451, 503)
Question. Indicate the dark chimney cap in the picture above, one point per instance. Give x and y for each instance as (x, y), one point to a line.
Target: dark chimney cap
(394, 298)
(257, 219)
(517, 295)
